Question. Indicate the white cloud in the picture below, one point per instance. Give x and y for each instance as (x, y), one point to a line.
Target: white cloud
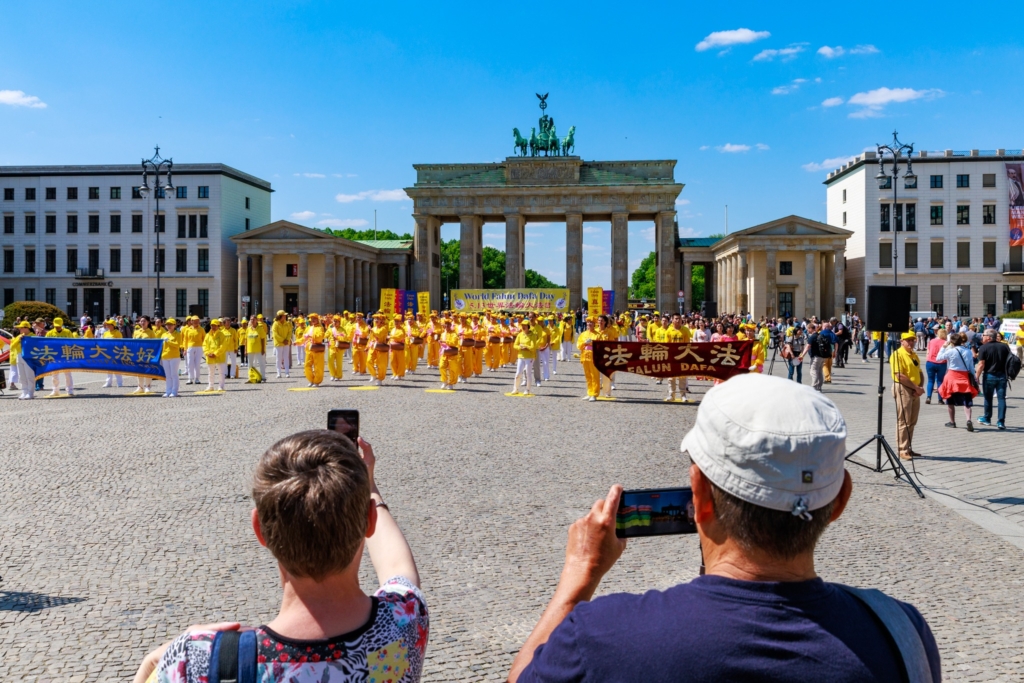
(874, 101)
(493, 236)
(739, 36)
(704, 147)
(789, 88)
(864, 50)
(310, 175)
(592, 230)
(374, 195)
(533, 234)
(17, 98)
(342, 223)
(592, 247)
(831, 52)
(832, 102)
(729, 148)
(682, 202)
(648, 234)
(827, 164)
(762, 147)
(785, 54)
(683, 232)
(303, 215)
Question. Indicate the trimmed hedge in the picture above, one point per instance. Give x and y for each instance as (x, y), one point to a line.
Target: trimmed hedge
(1013, 314)
(35, 309)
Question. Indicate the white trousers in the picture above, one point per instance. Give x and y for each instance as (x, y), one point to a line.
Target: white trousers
(28, 379)
(544, 358)
(259, 362)
(677, 385)
(216, 370)
(193, 358)
(69, 382)
(283, 354)
(15, 364)
(112, 379)
(170, 366)
(300, 355)
(524, 367)
(536, 369)
(554, 360)
(566, 351)
(232, 360)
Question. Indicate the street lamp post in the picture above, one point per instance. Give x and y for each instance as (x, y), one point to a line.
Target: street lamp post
(959, 303)
(156, 164)
(895, 152)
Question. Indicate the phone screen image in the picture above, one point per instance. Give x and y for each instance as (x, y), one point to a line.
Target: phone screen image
(344, 422)
(655, 512)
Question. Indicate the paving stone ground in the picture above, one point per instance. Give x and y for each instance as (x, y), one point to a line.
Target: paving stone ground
(123, 520)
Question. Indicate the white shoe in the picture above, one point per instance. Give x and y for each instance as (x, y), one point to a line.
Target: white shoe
(586, 398)
(70, 392)
(591, 398)
(54, 393)
(613, 387)
(108, 385)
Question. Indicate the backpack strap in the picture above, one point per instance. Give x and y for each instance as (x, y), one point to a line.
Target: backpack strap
(902, 631)
(233, 657)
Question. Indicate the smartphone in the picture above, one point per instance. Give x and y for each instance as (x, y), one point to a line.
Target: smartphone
(344, 421)
(655, 512)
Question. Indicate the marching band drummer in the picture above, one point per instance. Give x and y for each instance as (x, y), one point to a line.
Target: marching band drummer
(396, 344)
(360, 342)
(378, 341)
(585, 344)
(449, 364)
(313, 342)
(338, 343)
(434, 330)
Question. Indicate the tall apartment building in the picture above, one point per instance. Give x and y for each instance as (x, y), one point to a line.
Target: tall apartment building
(84, 239)
(951, 228)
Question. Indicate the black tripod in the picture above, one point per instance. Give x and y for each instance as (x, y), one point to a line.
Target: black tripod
(895, 465)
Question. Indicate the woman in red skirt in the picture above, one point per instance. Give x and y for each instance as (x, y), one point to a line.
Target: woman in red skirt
(957, 387)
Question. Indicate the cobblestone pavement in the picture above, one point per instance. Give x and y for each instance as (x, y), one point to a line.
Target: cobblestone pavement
(126, 519)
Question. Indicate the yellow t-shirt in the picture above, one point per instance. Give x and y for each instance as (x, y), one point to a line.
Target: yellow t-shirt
(172, 345)
(256, 339)
(906, 362)
(525, 345)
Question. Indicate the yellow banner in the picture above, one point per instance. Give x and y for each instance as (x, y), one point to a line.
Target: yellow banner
(595, 300)
(540, 300)
(423, 302)
(387, 300)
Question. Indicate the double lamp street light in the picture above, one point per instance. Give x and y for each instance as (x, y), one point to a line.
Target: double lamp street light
(156, 164)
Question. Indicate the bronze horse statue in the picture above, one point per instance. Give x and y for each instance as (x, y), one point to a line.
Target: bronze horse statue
(521, 143)
(569, 141)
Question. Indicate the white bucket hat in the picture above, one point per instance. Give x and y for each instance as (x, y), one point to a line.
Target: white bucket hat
(771, 442)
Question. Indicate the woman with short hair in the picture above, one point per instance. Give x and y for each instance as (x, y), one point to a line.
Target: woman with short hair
(957, 386)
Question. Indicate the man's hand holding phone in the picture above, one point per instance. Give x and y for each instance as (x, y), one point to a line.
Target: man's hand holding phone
(592, 547)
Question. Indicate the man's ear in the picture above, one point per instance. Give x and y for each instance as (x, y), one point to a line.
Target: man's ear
(256, 528)
(843, 498)
(703, 504)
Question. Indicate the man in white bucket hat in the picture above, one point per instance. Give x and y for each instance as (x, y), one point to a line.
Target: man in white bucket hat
(768, 477)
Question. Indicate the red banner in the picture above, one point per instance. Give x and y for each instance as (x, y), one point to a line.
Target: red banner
(714, 360)
(1015, 187)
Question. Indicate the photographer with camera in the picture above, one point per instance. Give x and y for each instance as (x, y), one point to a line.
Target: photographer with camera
(768, 477)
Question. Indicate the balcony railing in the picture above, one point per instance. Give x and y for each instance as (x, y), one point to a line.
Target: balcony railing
(89, 272)
(1013, 268)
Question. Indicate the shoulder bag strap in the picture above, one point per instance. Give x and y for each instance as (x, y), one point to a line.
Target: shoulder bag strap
(233, 658)
(901, 630)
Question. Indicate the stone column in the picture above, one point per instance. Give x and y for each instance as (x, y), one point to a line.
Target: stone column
(771, 290)
(421, 254)
(666, 245)
(243, 281)
(374, 295)
(744, 298)
(268, 304)
(620, 259)
(330, 285)
(358, 299)
(304, 284)
(257, 286)
(688, 304)
(470, 274)
(810, 269)
(574, 258)
(367, 293)
(515, 273)
(839, 283)
(339, 283)
(402, 281)
(726, 305)
(349, 285)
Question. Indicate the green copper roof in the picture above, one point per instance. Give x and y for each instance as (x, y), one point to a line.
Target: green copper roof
(387, 244)
(494, 176)
(698, 241)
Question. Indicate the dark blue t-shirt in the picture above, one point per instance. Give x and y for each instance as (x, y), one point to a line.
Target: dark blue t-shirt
(719, 629)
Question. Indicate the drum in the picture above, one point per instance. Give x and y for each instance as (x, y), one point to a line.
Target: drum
(362, 341)
(397, 346)
(481, 344)
(494, 340)
(417, 340)
(342, 345)
(450, 351)
(317, 348)
(380, 347)
(467, 343)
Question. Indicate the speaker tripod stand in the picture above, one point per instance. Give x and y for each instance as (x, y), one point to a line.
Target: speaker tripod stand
(894, 465)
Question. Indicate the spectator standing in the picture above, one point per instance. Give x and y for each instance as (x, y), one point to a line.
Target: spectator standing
(815, 345)
(793, 353)
(922, 337)
(991, 375)
(935, 368)
(958, 386)
(906, 389)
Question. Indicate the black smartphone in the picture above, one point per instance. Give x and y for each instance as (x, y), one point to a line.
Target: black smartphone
(655, 512)
(344, 421)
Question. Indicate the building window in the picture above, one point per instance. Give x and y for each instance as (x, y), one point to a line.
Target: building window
(8, 225)
(844, 218)
(936, 182)
(72, 193)
(988, 254)
(192, 221)
(786, 304)
(94, 223)
(291, 270)
(204, 226)
(181, 192)
(8, 194)
(72, 260)
(115, 301)
(181, 302)
(51, 224)
(158, 260)
(883, 217)
(136, 222)
(115, 222)
(136, 301)
(988, 180)
(204, 301)
(30, 224)
(181, 226)
(160, 193)
(135, 193)
(911, 217)
(136, 260)
(204, 260)
(247, 202)
(160, 223)
(72, 223)
(51, 260)
(988, 293)
(8, 260)
(94, 193)
(181, 260)
(885, 255)
(30, 260)
(963, 180)
(8, 296)
(887, 184)
(51, 194)
(50, 293)
(115, 260)
(785, 267)
(910, 255)
(937, 252)
(204, 191)
(30, 294)
(963, 214)
(72, 303)
(246, 223)
(115, 193)
(937, 298)
(988, 214)
(910, 183)
(94, 261)
(844, 196)
(963, 254)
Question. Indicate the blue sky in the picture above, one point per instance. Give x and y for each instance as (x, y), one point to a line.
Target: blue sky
(334, 102)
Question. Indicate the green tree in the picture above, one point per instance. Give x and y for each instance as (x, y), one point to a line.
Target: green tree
(494, 268)
(449, 266)
(645, 279)
(698, 287)
(371, 234)
(536, 280)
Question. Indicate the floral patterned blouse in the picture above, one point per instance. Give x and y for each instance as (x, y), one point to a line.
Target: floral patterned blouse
(389, 648)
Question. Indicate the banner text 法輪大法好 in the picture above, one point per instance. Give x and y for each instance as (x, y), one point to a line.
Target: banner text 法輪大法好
(515, 300)
(715, 360)
(47, 355)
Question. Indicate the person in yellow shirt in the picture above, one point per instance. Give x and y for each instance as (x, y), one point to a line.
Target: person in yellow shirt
(24, 373)
(467, 345)
(434, 330)
(281, 331)
(748, 331)
(256, 347)
(110, 331)
(215, 350)
(144, 330)
(585, 343)
(170, 357)
(64, 333)
(448, 343)
(676, 333)
(543, 334)
(337, 340)
(507, 337)
(300, 333)
(479, 345)
(396, 344)
(525, 345)
(313, 342)
(192, 338)
(231, 333)
(1019, 341)
(378, 340)
(905, 366)
(360, 344)
(608, 332)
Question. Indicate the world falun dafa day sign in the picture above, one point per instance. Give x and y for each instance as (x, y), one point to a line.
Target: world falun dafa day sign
(514, 300)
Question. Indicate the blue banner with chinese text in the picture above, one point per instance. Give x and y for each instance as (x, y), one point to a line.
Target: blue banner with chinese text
(48, 355)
